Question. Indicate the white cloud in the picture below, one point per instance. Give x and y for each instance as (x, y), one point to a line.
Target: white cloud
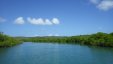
(19, 20)
(40, 21)
(53, 35)
(55, 21)
(103, 4)
(36, 35)
(48, 22)
(50, 35)
(56, 35)
(2, 19)
(37, 21)
(95, 1)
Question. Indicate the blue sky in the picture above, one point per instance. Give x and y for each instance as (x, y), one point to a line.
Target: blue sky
(55, 17)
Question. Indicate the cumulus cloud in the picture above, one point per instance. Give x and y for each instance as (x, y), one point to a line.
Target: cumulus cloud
(94, 1)
(48, 22)
(106, 5)
(37, 21)
(2, 19)
(55, 21)
(103, 4)
(19, 20)
(40, 21)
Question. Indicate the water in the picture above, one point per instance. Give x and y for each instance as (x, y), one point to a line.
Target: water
(48, 53)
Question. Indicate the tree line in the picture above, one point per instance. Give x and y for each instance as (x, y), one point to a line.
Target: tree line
(7, 41)
(97, 39)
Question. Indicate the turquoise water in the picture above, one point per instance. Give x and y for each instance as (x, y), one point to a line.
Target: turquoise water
(48, 53)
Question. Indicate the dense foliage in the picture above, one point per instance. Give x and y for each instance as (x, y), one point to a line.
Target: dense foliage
(7, 41)
(98, 39)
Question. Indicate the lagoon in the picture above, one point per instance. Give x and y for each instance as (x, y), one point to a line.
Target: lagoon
(54, 53)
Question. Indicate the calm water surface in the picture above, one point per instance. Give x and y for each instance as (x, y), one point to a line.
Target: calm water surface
(48, 53)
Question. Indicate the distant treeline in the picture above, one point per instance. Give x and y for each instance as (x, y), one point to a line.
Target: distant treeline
(98, 39)
(7, 41)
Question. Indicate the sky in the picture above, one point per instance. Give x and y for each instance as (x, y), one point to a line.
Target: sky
(55, 17)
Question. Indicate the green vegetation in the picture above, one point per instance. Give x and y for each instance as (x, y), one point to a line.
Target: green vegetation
(7, 41)
(98, 39)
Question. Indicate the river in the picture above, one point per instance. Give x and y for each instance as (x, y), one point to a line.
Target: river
(49, 53)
